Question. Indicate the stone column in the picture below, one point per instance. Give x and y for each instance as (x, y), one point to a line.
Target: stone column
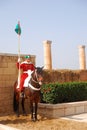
(82, 57)
(47, 55)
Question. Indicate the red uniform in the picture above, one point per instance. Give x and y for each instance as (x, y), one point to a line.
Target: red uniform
(26, 67)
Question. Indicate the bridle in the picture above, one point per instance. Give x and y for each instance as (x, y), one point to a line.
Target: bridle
(36, 79)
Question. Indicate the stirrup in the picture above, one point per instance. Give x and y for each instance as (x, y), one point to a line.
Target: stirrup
(21, 94)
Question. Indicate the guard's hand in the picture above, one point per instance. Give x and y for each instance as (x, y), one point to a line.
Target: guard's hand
(19, 59)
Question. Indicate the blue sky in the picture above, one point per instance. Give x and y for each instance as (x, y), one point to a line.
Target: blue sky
(64, 22)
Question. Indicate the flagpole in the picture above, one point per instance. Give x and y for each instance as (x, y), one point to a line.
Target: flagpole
(19, 61)
(18, 31)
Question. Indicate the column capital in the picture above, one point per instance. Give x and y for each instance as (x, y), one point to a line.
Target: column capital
(47, 41)
(81, 46)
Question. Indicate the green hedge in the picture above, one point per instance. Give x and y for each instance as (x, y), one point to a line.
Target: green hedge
(66, 92)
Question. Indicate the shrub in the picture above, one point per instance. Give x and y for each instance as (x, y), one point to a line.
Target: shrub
(66, 92)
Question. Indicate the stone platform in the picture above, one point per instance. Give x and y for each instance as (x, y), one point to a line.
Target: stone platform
(62, 109)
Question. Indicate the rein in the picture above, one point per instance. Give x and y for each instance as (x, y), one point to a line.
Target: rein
(31, 86)
(34, 80)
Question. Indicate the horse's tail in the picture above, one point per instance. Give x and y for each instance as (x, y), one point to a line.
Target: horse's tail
(14, 98)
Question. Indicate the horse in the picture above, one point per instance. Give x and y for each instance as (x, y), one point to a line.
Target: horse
(32, 92)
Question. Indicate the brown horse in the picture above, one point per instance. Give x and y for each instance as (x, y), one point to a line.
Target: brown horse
(32, 92)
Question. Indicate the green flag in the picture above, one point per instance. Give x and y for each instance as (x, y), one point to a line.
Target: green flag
(18, 29)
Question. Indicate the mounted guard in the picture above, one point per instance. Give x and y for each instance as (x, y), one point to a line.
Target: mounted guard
(27, 68)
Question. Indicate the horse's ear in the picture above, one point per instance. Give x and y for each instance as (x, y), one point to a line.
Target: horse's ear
(42, 67)
(39, 67)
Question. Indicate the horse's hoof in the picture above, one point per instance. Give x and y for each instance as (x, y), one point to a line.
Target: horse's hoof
(34, 120)
(24, 114)
(17, 115)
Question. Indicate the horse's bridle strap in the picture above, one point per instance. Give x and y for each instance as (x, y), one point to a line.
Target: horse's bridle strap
(34, 80)
(32, 87)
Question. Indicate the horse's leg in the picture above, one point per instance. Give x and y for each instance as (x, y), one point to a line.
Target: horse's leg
(17, 111)
(31, 109)
(34, 111)
(16, 104)
(36, 105)
(23, 107)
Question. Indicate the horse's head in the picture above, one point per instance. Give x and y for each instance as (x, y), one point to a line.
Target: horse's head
(39, 74)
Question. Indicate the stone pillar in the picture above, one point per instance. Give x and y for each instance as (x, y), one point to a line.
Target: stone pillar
(47, 55)
(82, 57)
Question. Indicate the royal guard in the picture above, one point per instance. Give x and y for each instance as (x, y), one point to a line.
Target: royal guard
(27, 68)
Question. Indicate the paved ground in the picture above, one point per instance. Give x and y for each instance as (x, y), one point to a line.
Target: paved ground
(5, 127)
(79, 118)
(75, 122)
